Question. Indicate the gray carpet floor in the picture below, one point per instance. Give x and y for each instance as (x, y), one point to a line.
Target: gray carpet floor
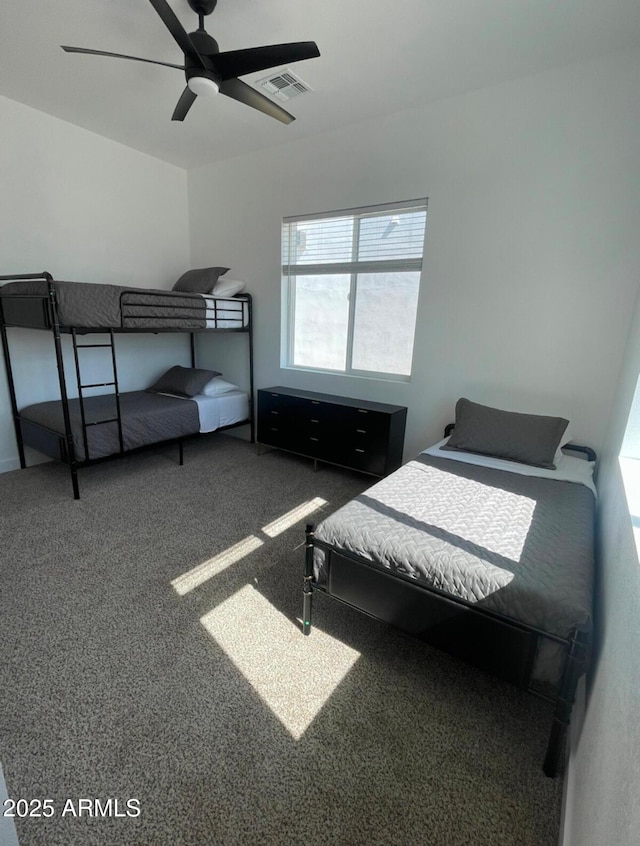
(151, 650)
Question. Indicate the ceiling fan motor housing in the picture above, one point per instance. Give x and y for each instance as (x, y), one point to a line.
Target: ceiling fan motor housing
(206, 46)
(203, 7)
(204, 43)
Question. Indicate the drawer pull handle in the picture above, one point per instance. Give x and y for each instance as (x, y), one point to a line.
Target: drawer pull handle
(314, 421)
(362, 411)
(313, 439)
(273, 429)
(275, 395)
(275, 412)
(361, 431)
(315, 402)
(359, 450)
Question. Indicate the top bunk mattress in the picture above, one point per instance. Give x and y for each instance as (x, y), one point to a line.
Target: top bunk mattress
(84, 305)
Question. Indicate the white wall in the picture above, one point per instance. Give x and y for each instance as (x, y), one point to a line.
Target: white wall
(531, 253)
(85, 208)
(604, 773)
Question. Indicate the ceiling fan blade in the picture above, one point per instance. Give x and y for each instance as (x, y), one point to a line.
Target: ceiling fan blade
(240, 62)
(176, 29)
(119, 56)
(187, 99)
(239, 90)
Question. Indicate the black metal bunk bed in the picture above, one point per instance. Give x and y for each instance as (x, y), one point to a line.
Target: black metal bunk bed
(344, 560)
(38, 308)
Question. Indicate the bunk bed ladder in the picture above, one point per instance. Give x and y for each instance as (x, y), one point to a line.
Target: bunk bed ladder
(82, 387)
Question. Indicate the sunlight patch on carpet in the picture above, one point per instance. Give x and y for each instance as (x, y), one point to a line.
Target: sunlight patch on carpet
(292, 674)
(205, 571)
(281, 524)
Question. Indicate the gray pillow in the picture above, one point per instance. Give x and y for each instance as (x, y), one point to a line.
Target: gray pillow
(199, 281)
(183, 381)
(527, 438)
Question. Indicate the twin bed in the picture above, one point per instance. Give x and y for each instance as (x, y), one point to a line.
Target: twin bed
(487, 558)
(83, 429)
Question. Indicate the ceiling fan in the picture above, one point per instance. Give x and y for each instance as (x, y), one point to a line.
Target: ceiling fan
(208, 71)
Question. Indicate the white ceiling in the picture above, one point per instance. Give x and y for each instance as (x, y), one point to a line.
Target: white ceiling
(377, 57)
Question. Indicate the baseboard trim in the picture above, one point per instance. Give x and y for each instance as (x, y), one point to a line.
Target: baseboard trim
(568, 791)
(7, 464)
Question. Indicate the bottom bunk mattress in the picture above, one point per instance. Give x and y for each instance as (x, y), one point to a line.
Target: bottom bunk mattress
(517, 545)
(147, 418)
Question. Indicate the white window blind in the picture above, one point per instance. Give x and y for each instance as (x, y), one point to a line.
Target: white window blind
(353, 281)
(363, 241)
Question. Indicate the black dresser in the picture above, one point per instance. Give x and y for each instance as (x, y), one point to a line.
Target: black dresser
(361, 435)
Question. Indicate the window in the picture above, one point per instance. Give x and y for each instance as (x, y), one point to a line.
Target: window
(353, 279)
(629, 460)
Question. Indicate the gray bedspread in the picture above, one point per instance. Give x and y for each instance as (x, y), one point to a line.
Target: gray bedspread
(90, 306)
(519, 545)
(147, 418)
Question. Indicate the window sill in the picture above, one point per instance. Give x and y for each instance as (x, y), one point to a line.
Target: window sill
(630, 471)
(376, 377)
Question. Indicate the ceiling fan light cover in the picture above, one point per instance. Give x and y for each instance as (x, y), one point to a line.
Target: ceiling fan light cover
(203, 86)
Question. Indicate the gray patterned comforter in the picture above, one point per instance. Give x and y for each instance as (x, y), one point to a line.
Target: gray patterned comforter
(90, 306)
(147, 418)
(519, 545)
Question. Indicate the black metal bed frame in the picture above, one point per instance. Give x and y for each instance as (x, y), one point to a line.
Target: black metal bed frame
(34, 311)
(487, 639)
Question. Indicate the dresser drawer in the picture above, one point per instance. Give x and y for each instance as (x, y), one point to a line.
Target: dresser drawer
(365, 457)
(316, 444)
(367, 427)
(274, 432)
(277, 405)
(278, 419)
(367, 422)
(366, 440)
(319, 430)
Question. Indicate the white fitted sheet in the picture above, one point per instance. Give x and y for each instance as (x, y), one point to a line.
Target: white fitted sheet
(568, 469)
(223, 410)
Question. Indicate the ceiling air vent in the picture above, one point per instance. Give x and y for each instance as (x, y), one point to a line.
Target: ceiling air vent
(285, 85)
